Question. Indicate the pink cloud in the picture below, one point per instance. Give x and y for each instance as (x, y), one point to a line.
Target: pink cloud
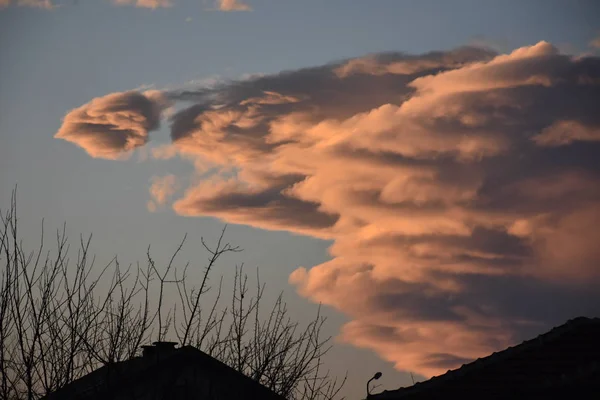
(565, 132)
(112, 126)
(453, 185)
(232, 5)
(595, 43)
(264, 207)
(145, 3)
(161, 190)
(45, 4)
(377, 64)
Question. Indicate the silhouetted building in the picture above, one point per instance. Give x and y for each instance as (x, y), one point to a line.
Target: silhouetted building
(166, 372)
(563, 364)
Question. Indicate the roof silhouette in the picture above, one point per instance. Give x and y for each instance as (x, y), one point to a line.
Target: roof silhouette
(111, 381)
(562, 362)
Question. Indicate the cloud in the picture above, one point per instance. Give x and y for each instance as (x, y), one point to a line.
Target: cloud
(161, 190)
(595, 43)
(565, 132)
(265, 207)
(232, 5)
(460, 189)
(112, 126)
(145, 3)
(45, 4)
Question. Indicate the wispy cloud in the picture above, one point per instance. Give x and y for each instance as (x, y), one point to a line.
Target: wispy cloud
(161, 190)
(461, 189)
(145, 3)
(595, 43)
(46, 4)
(222, 5)
(233, 5)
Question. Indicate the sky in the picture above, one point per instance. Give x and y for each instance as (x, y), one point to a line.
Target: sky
(427, 170)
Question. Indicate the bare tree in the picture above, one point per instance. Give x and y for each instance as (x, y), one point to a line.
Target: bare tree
(61, 318)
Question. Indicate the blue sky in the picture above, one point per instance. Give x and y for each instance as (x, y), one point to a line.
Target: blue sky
(52, 61)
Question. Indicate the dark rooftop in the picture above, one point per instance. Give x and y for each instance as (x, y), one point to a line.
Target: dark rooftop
(562, 362)
(157, 360)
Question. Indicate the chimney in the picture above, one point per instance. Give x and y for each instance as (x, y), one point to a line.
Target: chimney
(158, 350)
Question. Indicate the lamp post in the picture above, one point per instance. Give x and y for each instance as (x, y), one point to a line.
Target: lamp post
(375, 377)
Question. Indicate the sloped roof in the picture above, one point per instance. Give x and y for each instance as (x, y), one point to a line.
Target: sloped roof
(563, 360)
(140, 369)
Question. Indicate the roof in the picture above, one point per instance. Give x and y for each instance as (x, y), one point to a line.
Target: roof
(566, 359)
(141, 369)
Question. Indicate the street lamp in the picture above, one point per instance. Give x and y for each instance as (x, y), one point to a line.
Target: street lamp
(375, 377)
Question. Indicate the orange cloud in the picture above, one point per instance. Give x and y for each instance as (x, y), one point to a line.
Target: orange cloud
(161, 190)
(145, 3)
(459, 188)
(388, 63)
(232, 5)
(264, 207)
(595, 43)
(46, 4)
(112, 126)
(565, 132)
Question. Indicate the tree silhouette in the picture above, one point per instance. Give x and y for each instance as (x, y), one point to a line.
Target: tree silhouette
(61, 318)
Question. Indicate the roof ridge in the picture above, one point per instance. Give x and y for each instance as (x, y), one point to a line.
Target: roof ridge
(550, 335)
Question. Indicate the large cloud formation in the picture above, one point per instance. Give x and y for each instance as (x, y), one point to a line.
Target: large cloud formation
(461, 189)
